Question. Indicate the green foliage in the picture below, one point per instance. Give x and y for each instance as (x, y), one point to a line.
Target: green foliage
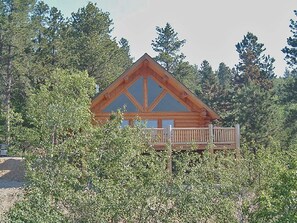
(61, 107)
(288, 90)
(255, 110)
(254, 66)
(48, 25)
(225, 75)
(37, 207)
(254, 103)
(277, 198)
(168, 45)
(110, 174)
(36, 40)
(79, 172)
(87, 45)
(210, 88)
(15, 42)
(291, 50)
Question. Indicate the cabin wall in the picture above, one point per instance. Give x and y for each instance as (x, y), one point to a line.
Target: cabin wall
(181, 120)
(190, 123)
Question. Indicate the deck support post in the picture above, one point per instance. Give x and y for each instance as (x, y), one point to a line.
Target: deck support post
(169, 137)
(211, 141)
(237, 140)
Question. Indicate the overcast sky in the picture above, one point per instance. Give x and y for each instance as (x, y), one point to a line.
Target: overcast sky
(210, 27)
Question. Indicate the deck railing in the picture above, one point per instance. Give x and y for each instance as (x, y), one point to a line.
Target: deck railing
(218, 136)
(190, 135)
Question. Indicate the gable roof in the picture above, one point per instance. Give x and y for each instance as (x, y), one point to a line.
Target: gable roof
(163, 77)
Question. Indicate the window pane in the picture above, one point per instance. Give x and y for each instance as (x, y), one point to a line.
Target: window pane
(153, 90)
(169, 104)
(136, 90)
(166, 123)
(152, 124)
(147, 123)
(141, 123)
(119, 103)
(125, 123)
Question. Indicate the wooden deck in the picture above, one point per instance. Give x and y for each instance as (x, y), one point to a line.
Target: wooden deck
(183, 138)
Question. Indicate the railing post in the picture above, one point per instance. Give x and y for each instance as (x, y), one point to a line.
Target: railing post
(237, 139)
(210, 129)
(169, 131)
(169, 139)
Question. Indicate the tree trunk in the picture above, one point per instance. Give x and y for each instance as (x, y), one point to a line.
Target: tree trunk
(7, 102)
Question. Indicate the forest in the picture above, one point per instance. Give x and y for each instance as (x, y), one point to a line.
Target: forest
(78, 172)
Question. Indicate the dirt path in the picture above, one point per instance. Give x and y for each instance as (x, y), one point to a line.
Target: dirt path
(11, 182)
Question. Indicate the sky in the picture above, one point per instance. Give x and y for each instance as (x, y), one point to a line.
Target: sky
(211, 28)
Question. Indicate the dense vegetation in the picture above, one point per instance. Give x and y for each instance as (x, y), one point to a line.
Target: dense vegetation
(79, 172)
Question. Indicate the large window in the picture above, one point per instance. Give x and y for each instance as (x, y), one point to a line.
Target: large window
(169, 104)
(136, 89)
(134, 99)
(121, 102)
(153, 90)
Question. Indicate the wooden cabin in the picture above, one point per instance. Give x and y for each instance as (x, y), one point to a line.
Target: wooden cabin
(170, 111)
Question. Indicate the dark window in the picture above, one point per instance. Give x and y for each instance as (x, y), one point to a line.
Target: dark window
(136, 89)
(153, 90)
(151, 123)
(147, 123)
(166, 123)
(125, 123)
(121, 102)
(169, 104)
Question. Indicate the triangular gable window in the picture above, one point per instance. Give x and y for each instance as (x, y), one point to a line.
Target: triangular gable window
(121, 102)
(136, 90)
(154, 90)
(169, 104)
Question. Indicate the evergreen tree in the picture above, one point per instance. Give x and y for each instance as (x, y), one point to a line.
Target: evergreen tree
(225, 94)
(187, 74)
(168, 45)
(124, 45)
(15, 45)
(254, 66)
(215, 90)
(48, 25)
(258, 115)
(291, 49)
(289, 90)
(87, 45)
(225, 75)
(254, 104)
(209, 84)
(287, 93)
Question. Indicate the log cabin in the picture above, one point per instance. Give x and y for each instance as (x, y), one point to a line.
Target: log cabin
(171, 112)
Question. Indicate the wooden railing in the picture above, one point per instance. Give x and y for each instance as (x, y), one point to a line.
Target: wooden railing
(218, 136)
(189, 135)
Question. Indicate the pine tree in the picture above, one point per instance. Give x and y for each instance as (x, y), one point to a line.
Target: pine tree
(48, 24)
(88, 45)
(291, 49)
(289, 90)
(225, 75)
(168, 45)
(209, 82)
(15, 45)
(254, 66)
(254, 104)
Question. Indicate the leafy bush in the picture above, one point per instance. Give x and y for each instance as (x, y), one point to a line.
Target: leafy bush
(78, 172)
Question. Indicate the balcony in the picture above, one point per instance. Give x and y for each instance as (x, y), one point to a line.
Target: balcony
(183, 138)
